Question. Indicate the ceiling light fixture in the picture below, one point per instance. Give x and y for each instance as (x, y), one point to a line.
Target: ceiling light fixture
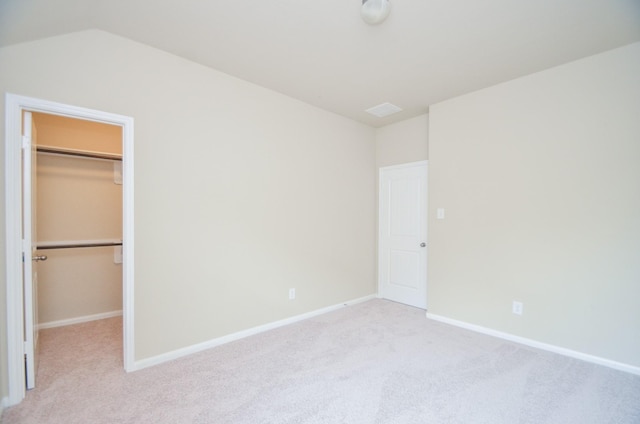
(375, 11)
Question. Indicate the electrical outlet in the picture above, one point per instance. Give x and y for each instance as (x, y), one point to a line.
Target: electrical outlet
(517, 308)
(292, 294)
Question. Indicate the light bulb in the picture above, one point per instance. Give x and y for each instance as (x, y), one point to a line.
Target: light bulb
(375, 11)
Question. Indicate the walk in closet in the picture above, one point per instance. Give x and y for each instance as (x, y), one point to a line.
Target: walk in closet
(79, 220)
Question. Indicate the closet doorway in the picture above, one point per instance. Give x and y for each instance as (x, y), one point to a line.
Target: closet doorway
(78, 200)
(117, 239)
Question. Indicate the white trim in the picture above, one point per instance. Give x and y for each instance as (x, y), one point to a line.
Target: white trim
(14, 106)
(538, 345)
(189, 350)
(78, 320)
(13, 224)
(404, 165)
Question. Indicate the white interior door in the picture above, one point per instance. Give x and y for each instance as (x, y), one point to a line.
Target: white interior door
(403, 234)
(30, 257)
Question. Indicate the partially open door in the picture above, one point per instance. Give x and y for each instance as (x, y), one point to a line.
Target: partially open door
(29, 243)
(21, 278)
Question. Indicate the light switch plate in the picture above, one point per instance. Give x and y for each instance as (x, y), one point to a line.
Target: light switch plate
(440, 213)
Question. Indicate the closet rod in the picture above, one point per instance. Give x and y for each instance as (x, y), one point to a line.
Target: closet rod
(78, 153)
(76, 245)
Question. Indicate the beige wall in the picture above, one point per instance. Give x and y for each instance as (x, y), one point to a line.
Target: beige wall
(240, 192)
(540, 181)
(403, 142)
(77, 283)
(77, 134)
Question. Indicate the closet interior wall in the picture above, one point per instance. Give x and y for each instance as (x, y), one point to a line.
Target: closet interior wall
(78, 199)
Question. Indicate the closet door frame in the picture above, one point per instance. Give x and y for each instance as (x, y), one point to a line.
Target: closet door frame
(14, 107)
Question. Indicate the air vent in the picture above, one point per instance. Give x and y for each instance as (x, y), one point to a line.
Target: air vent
(384, 109)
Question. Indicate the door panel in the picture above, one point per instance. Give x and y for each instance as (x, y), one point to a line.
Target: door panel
(404, 195)
(404, 268)
(403, 234)
(30, 258)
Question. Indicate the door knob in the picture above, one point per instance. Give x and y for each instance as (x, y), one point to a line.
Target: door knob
(40, 258)
(423, 244)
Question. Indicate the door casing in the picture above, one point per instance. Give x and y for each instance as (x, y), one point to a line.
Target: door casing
(14, 106)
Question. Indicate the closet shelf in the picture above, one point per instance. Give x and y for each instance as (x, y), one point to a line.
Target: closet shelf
(72, 244)
(78, 153)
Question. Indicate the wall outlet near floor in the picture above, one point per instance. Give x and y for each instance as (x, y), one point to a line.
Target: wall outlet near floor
(517, 308)
(292, 294)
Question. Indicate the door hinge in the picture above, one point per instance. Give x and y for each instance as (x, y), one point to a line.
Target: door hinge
(24, 249)
(26, 142)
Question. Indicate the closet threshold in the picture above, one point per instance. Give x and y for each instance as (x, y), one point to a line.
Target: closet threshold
(78, 153)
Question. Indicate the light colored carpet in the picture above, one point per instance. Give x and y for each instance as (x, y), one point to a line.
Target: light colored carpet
(375, 362)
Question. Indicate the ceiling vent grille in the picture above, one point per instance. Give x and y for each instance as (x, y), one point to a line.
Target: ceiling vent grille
(384, 109)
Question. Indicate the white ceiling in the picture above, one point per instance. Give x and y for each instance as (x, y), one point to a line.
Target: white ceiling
(322, 53)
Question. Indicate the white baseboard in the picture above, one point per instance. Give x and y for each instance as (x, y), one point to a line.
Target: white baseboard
(4, 402)
(538, 345)
(170, 356)
(78, 320)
